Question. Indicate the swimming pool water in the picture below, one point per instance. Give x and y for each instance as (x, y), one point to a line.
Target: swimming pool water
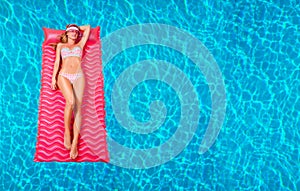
(255, 45)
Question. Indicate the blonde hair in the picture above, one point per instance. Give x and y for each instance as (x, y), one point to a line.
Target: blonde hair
(63, 38)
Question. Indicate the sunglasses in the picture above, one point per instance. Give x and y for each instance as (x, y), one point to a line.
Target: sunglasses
(72, 31)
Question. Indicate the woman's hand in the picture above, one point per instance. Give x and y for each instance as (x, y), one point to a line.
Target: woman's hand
(85, 27)
(53, 84)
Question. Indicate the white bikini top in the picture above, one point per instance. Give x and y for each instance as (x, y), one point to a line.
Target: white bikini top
(67, 52)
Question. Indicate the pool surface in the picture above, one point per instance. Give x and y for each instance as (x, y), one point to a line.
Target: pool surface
(179, 77)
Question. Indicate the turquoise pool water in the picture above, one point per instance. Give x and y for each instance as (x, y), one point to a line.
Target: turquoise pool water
(254, 44)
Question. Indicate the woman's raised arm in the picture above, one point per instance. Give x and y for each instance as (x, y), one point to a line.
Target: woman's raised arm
(86, 33)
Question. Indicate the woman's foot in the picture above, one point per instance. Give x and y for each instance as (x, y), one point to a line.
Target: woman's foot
(67, 140)
(74, 151)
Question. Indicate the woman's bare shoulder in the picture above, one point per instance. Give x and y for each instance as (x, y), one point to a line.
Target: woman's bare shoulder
(60, 45)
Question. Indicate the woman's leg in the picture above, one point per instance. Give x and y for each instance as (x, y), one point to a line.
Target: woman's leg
(67, 91)
(78, 87)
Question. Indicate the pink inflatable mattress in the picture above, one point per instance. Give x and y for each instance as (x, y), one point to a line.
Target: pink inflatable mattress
(92, 145)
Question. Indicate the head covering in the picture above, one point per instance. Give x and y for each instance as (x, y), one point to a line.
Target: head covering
(72, 28)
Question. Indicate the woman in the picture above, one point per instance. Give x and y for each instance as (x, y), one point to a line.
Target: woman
(70, 80)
